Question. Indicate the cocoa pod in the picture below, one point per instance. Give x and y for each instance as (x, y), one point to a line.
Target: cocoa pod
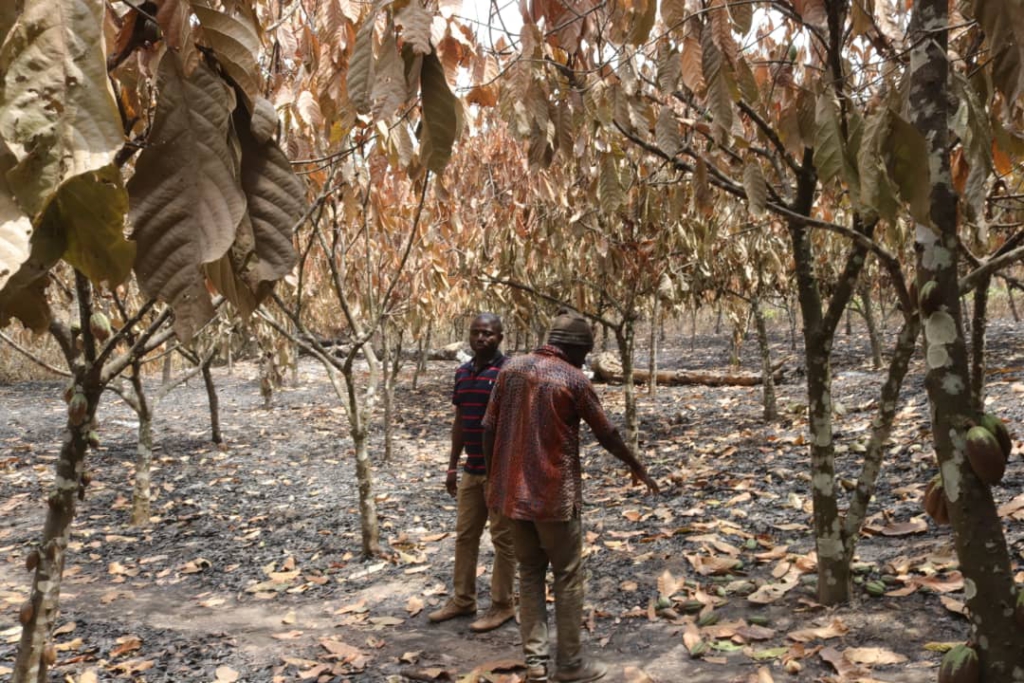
(998, 428)
(985, 456)
(1018, 613)
(99, 325)
(709, 619)
(93, 439)
(26, 612)
(876, 588)
(699, 650)
(50, 654)
(960, 665)
(32, 560)
(935, 501)
(78, 408)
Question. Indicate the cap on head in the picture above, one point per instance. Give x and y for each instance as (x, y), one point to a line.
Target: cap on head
(571, 328)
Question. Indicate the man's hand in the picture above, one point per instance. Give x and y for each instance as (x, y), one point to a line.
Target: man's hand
(451, 483)
(640, 475)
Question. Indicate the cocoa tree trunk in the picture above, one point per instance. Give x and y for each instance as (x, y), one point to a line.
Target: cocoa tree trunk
(625, 338)
(881, 428)
(867, 312)
(977, 528)
(771, 408)
(652, 359)
(1013, 306)
(978, 329)
(141, 490)
(35, 651)
(392, 364)
(214, 402)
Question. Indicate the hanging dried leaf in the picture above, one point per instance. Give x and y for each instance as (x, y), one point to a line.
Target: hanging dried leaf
(185, 199)
(440, 115)
(175, 20)
(234, 38)
(361, 66)
(666, 132)
(693, 59)
(56, 126)
(15, 226)
(609, 189)
(755, 186)
(389, 91)
(1003, 23)
(416, 23)
(828, 142)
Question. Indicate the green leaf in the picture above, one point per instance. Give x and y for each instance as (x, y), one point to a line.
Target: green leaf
(90, 210)
(440, 115)
(186, 201)
(909, 167)
(828, 139)
(234, 38)
(58, 115)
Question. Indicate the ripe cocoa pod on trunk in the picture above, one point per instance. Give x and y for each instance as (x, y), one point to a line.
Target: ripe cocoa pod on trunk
(998, 428)
(935, 501)
(985, 455)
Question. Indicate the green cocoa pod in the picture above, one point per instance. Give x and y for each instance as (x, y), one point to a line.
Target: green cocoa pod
(99, 325)
(876, 588)
(751, 544)
(690, 606)
(699, 650)
(931, 298)
(998, 428)
(78, 408)
(709, 619)
(960, 665)
(758, 620)
(662, 603)
(985, 455)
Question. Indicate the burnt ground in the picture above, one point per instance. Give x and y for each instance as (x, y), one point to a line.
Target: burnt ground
(250, 568)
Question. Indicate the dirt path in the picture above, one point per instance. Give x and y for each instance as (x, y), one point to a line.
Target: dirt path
(251, 566)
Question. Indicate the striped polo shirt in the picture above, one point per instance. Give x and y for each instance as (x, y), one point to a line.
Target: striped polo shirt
(471, 394)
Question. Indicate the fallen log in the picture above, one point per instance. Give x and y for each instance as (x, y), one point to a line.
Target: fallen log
(607, 368)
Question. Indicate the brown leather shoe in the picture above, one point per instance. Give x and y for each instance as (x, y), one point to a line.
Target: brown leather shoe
(492, 619)
(450, 611)
(584, 673)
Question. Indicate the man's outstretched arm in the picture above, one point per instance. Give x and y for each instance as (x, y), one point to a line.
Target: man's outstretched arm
(613, 443)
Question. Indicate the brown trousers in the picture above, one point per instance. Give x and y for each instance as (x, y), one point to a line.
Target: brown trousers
(469, 527)
(559, 544)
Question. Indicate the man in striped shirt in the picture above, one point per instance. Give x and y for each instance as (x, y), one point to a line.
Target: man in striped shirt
(473, 382)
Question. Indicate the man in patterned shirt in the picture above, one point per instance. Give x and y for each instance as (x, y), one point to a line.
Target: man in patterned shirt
(531, 445)
(473, 382)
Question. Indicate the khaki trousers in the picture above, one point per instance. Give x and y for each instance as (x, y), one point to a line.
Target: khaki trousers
(559, 544)
(469, 527)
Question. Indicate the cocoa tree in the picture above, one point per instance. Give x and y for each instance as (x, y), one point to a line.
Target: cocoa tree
(207, 200)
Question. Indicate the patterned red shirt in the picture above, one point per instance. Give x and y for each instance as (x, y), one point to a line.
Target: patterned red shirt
(535, 412)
